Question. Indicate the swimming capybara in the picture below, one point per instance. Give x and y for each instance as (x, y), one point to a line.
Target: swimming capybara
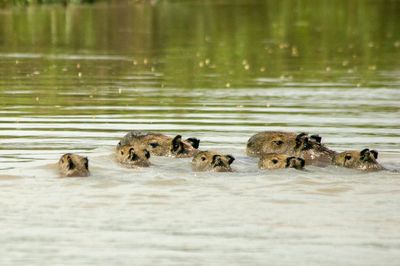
(162, 145)
(362, 160)
(279, 161)
(133, 155)
(73, 165)
(212, 161)
(299, 145)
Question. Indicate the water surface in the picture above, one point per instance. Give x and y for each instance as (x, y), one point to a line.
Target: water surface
(76, 79)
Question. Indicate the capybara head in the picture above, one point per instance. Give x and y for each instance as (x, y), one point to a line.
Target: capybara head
(73, 165)
(298, 145)
(162, 145)
(212, 161)
(362, 160)
(133, 156)
(279, 161)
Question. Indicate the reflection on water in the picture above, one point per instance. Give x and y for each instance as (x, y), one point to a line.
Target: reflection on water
(78, 78)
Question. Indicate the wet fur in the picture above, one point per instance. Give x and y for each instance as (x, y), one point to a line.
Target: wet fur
(280, 161)
(212, 161)
(73, 165)
(362, 160)
(299, 145)
(132, 155)
(161, 145)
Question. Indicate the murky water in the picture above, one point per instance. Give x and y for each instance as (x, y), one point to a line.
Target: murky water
(76, 79)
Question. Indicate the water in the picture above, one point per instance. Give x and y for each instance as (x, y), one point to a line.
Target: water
(76, 79)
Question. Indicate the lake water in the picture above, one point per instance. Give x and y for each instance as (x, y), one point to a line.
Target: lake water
(77, 78)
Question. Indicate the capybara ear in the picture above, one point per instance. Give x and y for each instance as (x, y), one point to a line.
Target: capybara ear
(71, 164)
(363, 152)
(230, 158)
(176, 143)
(194, 142)
(302, 161)
(302, 134)
(316, 138)
(147, 154)
(374, 153)
(86, 162)
(364, 155)
(288, 160)
(303, 142)
(214, 158)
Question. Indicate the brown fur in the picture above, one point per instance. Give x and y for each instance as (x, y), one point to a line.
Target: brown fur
(73, 165)
(362, 160)
(133, 155)
(279, 161)
(162, 145)
(292, 144)
(212, 161)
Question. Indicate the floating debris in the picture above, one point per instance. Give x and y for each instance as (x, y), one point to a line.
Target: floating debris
(295, 52)
(283, 46)
(372, 67)
(228, 85)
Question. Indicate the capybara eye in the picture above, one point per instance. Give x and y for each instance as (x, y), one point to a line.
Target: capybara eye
(278, 142)
(203, 158)
(154, 144)
(347, 157)
(274, 161)
(122, 153)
